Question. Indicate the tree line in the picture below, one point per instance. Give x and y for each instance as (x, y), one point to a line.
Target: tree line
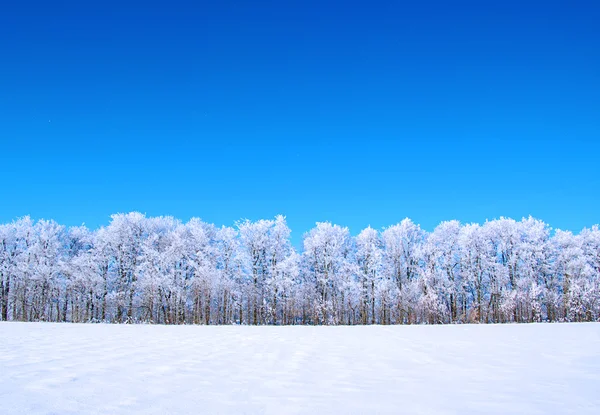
(160, 270)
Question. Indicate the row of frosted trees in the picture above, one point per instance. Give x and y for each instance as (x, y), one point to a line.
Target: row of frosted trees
(160, 270)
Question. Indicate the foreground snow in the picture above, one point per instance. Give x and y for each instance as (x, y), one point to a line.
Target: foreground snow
(115, 369)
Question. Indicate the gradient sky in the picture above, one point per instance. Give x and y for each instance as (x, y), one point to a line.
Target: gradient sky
(360, 113)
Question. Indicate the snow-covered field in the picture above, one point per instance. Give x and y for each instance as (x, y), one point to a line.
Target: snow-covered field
(139, 369)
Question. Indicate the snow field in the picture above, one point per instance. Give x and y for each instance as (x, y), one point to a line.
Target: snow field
(51, 368)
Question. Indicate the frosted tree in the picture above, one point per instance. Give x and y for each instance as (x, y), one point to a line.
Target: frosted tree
(443, 250)
(269, 267)
(369, 257)
(401, 256)
(326, 249)
(160, 270)
(504, 238)
(101, 259)
(286, 287)
(199, 242)
(282, 268)
(536, 282)
(590, 239)
(43, 255)
(254, 244)
(12, 247)
(158, 283)
(8, 251)
(20, 273)
(125, 236)
(575, 265)
(477, 262)
(229, 265)
(80, 284)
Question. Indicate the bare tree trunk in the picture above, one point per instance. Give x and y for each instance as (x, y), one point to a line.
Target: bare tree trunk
(65, 306)
(373, 302)
(207, 309)
(5, 291)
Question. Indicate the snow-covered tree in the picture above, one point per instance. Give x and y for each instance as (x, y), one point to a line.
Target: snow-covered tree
(326, 250)
(160, 270)
(402, 257)
(368, 257)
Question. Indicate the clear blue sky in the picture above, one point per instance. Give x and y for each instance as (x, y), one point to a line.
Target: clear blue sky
(356, 113)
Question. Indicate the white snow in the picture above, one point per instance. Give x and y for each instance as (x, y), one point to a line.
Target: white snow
(48, 368)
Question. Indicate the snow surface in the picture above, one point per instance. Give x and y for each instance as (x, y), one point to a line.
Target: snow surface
(48, 368)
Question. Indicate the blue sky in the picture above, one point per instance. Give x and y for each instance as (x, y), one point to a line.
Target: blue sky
(360, 113)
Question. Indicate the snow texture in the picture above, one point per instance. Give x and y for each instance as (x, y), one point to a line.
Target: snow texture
(53, 368)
